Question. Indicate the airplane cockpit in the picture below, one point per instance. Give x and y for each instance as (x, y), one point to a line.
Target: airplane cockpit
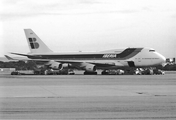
(152, 50)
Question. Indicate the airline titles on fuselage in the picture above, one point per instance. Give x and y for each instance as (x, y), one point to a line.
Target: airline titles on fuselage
(109, 56)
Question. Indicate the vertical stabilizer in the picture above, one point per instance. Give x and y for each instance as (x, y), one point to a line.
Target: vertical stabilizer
(36, 45)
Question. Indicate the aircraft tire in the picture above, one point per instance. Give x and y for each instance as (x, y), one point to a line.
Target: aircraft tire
(90, 73)
(104, 73)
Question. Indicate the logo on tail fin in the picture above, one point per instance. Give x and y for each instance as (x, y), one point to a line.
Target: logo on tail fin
(33, 43)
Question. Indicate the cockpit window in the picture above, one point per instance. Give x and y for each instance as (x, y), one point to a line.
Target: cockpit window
(151, 50)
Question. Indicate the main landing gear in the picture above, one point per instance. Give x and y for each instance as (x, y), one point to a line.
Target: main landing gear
(104, 72)
(90, 73)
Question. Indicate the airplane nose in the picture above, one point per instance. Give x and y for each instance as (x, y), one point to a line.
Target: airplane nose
(162, 59)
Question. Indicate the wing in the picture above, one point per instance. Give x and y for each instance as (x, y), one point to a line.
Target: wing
(75, 63)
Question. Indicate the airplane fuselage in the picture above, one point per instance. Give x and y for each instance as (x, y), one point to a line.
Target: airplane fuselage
(130, 57)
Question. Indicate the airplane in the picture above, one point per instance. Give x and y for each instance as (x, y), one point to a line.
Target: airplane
(90, 61)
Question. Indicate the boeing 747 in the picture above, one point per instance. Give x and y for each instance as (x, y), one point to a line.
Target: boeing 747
(90, 61)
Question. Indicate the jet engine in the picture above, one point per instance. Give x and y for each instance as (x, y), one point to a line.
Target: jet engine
(56, 65)
(90, 68)
(66, 65)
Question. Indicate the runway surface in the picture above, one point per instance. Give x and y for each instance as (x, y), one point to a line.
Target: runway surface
(80, 97)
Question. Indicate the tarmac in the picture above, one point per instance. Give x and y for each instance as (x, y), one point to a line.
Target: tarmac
(85, 97)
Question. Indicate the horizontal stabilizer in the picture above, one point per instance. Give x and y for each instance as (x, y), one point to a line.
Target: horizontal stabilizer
(21, 54)
(9, 58)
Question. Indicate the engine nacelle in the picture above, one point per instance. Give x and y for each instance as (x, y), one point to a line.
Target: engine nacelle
(90, 68)
(56, 65)
(66, 65)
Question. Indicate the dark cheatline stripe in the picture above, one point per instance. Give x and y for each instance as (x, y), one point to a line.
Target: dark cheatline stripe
(135, 52)
(126, 54)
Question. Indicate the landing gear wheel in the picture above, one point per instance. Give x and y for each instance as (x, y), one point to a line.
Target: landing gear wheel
(90, 73)
(104, 73)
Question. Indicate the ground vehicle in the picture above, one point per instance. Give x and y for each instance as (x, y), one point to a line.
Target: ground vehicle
(113, 72)
(149, 71)
(143, 71)
(22, 72)
(15, 73)
(71, 72)
(138, 72)
(43, 72)
(59, 72)
(158, 72)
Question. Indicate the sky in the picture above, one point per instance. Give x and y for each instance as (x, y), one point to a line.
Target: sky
(89, 25)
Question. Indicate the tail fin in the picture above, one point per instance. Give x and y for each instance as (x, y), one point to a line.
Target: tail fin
(36, 45)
